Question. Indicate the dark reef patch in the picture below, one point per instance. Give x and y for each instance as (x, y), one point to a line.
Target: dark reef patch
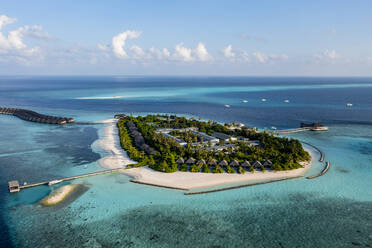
(297, 221)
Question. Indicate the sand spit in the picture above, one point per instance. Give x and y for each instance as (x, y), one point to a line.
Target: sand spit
(110, 142)
(58, 195)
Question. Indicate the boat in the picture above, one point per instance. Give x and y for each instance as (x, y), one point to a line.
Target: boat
(349, 104)
(227, 106)
(54, 182)
(263, 99)
(287, 101)
(273, 128)
(245, 101)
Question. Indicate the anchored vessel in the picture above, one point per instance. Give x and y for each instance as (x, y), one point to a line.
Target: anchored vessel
(33, 116)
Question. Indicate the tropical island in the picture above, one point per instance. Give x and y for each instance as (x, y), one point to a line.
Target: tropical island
(169, 143)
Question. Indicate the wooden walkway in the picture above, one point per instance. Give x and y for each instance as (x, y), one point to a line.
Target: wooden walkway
(326, 168)
(69, 178)
(295, 130)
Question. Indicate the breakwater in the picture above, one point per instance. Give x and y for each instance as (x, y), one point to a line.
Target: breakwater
(326, 168)
(29, 115)
(321, 159)
(238, 186)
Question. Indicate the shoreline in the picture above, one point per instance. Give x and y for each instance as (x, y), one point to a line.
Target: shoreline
(110, 142)
(184, 180)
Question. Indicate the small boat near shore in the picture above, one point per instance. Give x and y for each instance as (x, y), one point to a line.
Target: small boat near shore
(244, 101)
(54, 182)
(286, 101)
(263, 99)
(349, 104)
(227, 106)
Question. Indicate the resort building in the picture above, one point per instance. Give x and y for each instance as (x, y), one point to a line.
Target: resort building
(212, 162)
(267, 163)
(191, 161)
(179, 141)
(223, 163)
(224, 137)
(257, 164)
(234, 163)
(180, 161)
(206, 138)
(246, 164)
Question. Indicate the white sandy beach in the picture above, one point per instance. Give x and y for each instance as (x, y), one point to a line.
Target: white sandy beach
(110, 142)
(183, 180)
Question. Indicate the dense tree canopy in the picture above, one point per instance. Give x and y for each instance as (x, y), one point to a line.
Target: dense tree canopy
(160, 152)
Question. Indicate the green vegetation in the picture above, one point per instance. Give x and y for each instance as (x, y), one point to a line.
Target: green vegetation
(283, 152)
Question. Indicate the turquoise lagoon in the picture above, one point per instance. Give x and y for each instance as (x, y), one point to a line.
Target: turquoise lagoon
(334, 210)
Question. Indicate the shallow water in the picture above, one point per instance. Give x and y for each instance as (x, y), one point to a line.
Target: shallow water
(333, 210)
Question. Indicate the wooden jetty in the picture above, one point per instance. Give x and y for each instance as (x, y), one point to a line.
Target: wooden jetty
(294, 130)
(29, 115)
(15, 187)
(326, 168)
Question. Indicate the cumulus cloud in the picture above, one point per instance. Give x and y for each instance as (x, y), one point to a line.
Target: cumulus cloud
(138, 53)
(118, 42)
(265, 58)
(160, 54)
(102, 47)
(183, 53)
(227, 52)
(13, 44)
(329, 55)
(202, 53)
(5, 20)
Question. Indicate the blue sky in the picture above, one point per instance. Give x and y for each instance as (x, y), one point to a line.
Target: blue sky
(298, 38)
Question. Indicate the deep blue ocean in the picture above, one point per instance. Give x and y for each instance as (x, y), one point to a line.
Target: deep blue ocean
(334, 210)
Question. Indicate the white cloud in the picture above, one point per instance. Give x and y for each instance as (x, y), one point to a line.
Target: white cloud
(160, 54)
(329, 55)
(183, 53)
(138, 53)
(102, 47)
(265, 58)
(201, 52)
(227, 52)
(118, 42)
(13, 44)
(5, 20)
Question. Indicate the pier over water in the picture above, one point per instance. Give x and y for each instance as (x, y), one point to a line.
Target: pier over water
(29, 115)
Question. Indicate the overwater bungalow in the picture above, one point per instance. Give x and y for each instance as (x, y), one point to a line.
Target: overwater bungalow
(267, 163)
(234, 163)
(180, 161)
(257, 164)
(223, 163)
(212, 162)
(246, 164)
(191, 161)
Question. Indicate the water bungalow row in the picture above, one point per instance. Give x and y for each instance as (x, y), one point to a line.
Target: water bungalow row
(33, 116)
(223, 163)
(138, 139)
